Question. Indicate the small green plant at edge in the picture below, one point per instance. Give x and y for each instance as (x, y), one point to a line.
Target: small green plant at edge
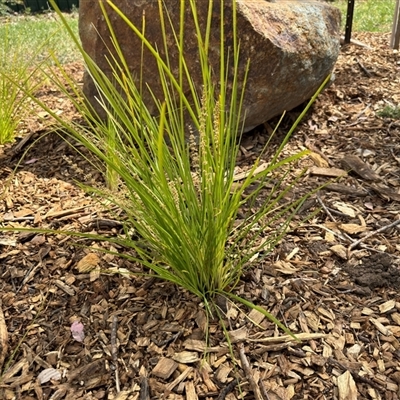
(177, 193)
(390, 112)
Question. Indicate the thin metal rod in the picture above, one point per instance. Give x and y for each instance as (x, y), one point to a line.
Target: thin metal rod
(349, 20)
(395, 39)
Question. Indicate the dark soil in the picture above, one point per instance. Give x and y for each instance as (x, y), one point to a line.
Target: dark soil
(375, 271)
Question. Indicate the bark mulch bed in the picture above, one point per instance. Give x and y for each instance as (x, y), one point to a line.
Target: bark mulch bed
(334, 281)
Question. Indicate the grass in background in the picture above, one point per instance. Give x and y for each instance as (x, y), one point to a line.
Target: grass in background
(26, 42)
(24, 34)
(18, 75)
(369, 15)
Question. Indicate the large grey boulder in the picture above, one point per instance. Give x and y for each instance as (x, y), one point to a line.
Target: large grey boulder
(292, 46)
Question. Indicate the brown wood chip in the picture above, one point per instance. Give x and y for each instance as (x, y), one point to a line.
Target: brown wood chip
(356, 165)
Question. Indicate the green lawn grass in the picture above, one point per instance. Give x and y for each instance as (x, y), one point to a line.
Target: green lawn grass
(27, 42)
(27, 33)
(369, 15)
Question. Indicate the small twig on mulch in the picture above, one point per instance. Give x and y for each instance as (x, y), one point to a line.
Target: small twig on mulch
(170, 387)
(359, 241)
(102, 224)
(114, 351)
(325, 208)
(249, 374)
(21, 144)
(347, 190)
(264, 390)
(356, 43)
(144, 389)
(226, 390)
(363, 69)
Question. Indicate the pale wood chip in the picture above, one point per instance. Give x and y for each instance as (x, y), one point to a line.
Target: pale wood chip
(219, 361)
(354, 350)
(88, 263)
(256, 316)
(196, 345)
(56, 213)
(367, 311)
(312, 320)
(352, 228)
(23, 213)
(3, 337)
(393, 387)
(178, 380)
(222, 373)
(396, 318)
(381, 365)
(355, 325)
(14, 370)
(205, 376)
(285, 267)
(347, 387)
(186, 357)
(238, 335)
(395, 329)
(318, 160)
(287, 338)
(339, 250)
(190, 391)
(94, 274)
(123, 395)
(345, 208)
(326, 313)
(381, 328)
(387, 306)
(8, 242)
(243, 175)
(164, 368)
(331, 172)
(143, 341)
(67, 289)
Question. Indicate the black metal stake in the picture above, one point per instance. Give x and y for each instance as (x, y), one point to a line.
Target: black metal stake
(395, 39)
(349, 20)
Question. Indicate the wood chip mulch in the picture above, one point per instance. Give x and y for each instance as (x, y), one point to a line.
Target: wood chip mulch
(70, 330)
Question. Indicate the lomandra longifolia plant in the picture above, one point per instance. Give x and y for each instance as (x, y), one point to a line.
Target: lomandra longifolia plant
(177, 189)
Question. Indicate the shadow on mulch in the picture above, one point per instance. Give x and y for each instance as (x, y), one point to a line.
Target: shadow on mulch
(48, 155)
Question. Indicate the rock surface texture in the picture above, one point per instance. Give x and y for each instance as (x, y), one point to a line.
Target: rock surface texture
(292, 46)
